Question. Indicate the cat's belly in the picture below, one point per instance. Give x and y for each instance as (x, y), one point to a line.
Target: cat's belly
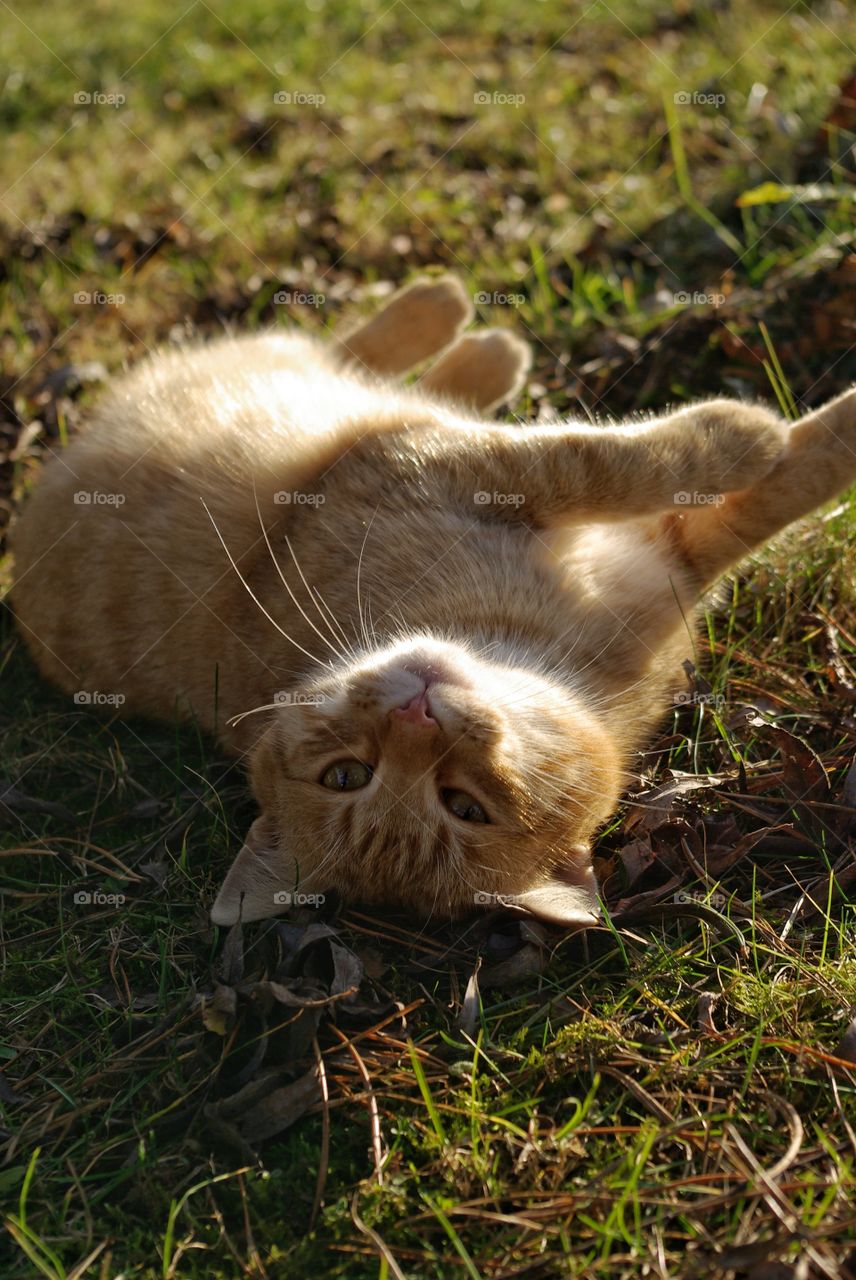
(635, 612)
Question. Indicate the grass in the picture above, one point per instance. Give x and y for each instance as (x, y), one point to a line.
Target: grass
(663, 1094)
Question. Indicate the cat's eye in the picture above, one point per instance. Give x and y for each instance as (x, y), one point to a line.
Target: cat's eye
(347, 775)
(463, 806)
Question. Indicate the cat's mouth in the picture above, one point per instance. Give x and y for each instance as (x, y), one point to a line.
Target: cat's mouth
(434, 671)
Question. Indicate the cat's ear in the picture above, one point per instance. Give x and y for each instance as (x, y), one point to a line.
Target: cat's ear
(574, 905)
(259, 881)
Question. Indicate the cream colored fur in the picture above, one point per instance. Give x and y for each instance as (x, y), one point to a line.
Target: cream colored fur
(274, 527)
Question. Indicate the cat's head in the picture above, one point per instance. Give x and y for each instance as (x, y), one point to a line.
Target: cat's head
(427, 778)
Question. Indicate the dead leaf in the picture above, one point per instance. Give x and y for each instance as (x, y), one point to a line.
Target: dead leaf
(653, 807)
(468, 1019)
(7, 1093)
(526, 962)
(837, 667)
(846, 1047)
(280, 1109)
(218, 1011)
(295, 993)
(803, 773)
(14, 800)
(637, 907)
(232, 957)
(636, 857)
(720, 860)
(347, 971)
(848, 791)
(373, 962)
(707, 1002)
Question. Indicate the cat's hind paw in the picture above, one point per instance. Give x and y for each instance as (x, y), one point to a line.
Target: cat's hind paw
(481, 371)
(414, 325)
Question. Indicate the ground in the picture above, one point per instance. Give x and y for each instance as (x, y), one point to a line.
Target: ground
(661, 197)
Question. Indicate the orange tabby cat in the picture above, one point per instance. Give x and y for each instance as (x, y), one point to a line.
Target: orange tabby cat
(438, 641)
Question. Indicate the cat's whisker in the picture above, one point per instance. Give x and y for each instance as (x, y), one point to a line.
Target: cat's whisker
(284, 582)
(372, 631)
(366, 640)
(333, 855)
(266, 706)
(255, 598)
(321, 603)
(339, 639)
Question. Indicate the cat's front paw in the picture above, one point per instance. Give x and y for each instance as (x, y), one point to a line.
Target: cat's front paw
(737, 443)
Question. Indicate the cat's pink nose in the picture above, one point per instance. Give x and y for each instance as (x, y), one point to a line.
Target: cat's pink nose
(417, 712)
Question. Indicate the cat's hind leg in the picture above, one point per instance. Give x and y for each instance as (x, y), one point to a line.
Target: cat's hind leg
(817, 464)
(415, 324)
(481, 370)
